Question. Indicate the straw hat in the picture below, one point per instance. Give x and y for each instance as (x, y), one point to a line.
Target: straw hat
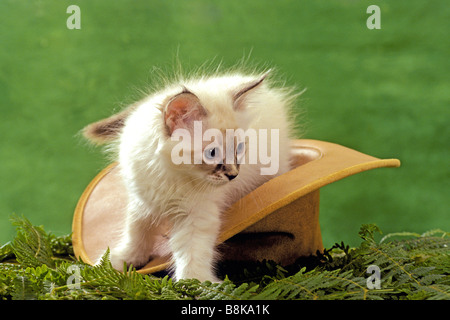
(278, 221)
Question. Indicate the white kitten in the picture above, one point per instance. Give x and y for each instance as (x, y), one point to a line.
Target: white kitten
(213, 174)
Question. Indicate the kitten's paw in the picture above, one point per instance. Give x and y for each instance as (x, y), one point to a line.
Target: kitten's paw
(216, 280)
(201, 276)
(117, 261)
(121, 256)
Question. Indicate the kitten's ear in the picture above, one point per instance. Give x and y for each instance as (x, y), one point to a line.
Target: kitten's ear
(182, 110)
(106, 130)
(239, 96)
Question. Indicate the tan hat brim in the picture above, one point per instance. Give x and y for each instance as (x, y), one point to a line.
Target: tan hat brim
(100, 212)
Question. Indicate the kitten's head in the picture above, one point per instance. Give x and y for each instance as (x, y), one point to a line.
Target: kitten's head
(199, 125)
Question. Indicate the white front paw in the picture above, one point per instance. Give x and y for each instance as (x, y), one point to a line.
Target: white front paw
(207, 275)
(117, 260)
(124, 255)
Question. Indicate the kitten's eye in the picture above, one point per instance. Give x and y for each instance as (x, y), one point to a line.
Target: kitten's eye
(240, 149)
(211, 154)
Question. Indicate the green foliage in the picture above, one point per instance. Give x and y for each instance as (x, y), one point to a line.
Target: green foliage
(31, 239)
(37, 265)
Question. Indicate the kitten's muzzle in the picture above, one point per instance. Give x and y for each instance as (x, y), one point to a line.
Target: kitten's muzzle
(230, 176)
(229, 170)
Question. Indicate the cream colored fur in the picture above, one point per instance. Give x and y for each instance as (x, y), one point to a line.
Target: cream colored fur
(158, 188)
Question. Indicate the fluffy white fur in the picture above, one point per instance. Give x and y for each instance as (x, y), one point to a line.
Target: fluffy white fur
(158, 188)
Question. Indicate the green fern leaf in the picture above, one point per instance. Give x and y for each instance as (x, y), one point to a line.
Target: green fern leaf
(31, 246)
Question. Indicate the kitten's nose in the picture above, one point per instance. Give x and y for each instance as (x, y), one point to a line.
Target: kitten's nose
(230, 176)
(230, 171)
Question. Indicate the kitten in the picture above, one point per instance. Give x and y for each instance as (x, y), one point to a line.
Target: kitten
(215, 172)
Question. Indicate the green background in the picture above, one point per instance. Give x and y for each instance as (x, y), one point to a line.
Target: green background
(383, 92)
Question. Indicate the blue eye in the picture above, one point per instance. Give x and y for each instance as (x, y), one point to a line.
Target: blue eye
(240, 148)
(211, 153)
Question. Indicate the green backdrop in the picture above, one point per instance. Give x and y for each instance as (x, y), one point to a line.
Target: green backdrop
(384, 92)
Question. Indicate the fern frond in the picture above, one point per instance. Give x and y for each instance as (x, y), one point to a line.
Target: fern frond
(31, 246)
(215, 291)
(323, 285)
(411, 266)
(24, 289)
